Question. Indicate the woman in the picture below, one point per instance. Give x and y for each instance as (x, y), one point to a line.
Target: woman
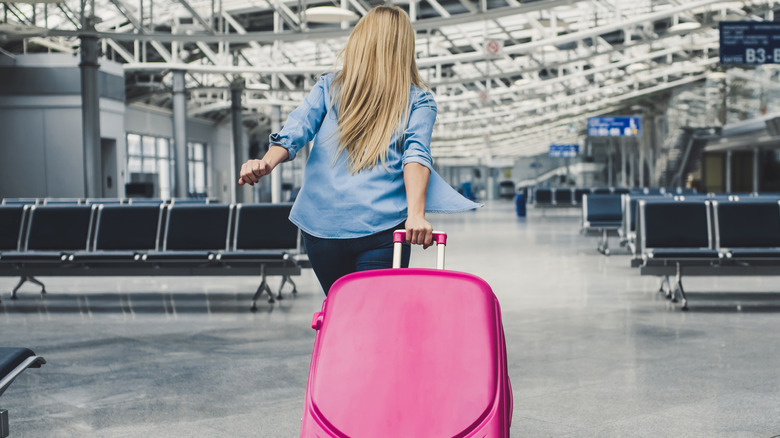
(370, 168)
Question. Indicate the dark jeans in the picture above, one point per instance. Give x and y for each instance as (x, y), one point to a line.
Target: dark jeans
(332, 259)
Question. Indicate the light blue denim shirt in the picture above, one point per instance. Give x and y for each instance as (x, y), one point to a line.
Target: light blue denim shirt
(333, 203)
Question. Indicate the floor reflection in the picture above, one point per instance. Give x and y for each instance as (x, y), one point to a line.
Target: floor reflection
(136, 302)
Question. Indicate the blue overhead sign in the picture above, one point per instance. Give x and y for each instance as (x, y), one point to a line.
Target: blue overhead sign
(624, 126)
(564, 150)
(749, 42)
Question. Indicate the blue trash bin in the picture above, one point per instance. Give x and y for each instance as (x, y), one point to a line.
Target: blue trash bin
(466, 190)
(520, 204)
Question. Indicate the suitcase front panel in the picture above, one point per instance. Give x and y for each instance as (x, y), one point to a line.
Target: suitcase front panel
(407, 353)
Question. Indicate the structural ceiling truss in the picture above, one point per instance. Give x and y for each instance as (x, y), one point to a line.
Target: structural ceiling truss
(510, 77)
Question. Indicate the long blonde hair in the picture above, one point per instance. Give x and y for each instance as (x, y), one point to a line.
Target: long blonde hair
(371, 92)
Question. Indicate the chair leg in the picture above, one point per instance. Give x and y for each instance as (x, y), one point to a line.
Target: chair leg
(286, 279)
(281, 285)
(666, 286)
(295, 288)
(24, 279)
(39, 283)
(260, 289)
(604, 245)
(680, 288)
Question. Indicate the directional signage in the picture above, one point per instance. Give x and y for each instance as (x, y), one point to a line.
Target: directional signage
(623, 126)
(564, 150)
(749, 42)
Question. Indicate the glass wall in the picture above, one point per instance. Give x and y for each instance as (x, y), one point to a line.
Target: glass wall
(150, 162)
(196, 162)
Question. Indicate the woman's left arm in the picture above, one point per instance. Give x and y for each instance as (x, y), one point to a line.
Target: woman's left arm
(418, 230)
(417, 168)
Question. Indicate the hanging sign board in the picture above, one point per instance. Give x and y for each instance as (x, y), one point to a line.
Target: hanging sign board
(749, 42)
(564, 150)
(622, 126)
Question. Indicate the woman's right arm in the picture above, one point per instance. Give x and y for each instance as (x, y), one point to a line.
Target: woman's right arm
(300, 128)
(253, 170)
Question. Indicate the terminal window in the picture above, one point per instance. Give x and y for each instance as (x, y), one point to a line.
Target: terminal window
(196, 162)
(150, 160)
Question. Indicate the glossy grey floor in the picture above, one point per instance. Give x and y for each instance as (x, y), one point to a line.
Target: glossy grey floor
(594, 350)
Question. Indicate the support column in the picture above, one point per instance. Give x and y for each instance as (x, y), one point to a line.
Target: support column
(610, 162)
(236, 110)
(623, 162)
(90, 115)
(631, 164)
(641, 164)
(728, 172)
(180, 133)
(276, 175)
(755, 169)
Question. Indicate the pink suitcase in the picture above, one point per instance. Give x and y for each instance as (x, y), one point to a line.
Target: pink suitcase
(408, 353)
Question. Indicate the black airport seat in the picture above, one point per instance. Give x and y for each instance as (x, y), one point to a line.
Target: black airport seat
(602, 211)
(579, 193)
(123, 233)
(621, 191)
(602, 191)
(543, 196)
(53, 232)
(263, 232)
(265, 238)
(194, 233)
(11, 223)
(563, 196)
(748, 230)
(677, 230)
(676, 235)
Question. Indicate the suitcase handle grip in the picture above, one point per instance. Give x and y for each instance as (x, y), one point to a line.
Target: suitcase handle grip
(439, 237)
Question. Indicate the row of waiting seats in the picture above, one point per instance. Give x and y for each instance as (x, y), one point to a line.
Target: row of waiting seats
(97, 201)
(150, 239)
(713, 234)
(605, 211)
(610, 214)
(573, 196)
(737, 236)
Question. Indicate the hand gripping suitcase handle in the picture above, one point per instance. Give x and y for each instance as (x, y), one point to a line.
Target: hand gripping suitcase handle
(399, 236)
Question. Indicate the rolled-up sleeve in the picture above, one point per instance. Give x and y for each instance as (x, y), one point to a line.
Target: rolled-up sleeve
(303, 123)
(417, 138)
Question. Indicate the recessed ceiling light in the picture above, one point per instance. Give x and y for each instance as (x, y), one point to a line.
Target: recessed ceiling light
(329, 14)
(637, 67)
(680, 27)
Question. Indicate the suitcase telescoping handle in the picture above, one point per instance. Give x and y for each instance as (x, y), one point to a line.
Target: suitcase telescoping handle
(399, 236)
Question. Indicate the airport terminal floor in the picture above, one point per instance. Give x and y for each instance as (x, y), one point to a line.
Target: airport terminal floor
(593, 349)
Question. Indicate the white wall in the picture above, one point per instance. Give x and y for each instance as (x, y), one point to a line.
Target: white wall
(41, 141)
(41, 145)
